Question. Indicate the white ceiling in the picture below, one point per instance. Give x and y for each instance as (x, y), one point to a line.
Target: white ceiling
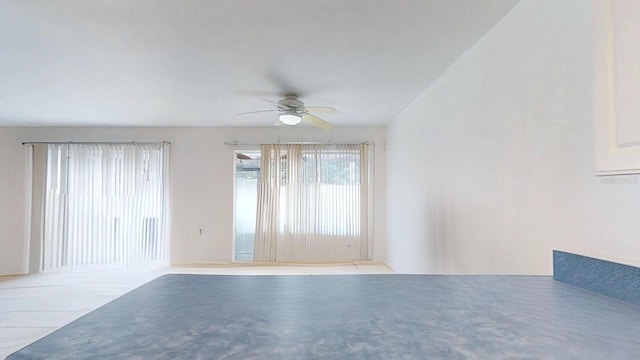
(198, 62)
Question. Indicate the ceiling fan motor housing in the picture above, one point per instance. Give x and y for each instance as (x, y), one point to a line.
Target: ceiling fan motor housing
(291, 103)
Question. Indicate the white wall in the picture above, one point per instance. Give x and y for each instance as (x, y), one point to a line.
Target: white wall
(492, 166)
(202, 183)
(13, 204)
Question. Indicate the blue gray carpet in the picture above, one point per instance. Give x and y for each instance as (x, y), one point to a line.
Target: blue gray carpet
(350, 317)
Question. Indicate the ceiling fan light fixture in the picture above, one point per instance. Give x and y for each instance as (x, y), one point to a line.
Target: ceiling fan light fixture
(290, 118)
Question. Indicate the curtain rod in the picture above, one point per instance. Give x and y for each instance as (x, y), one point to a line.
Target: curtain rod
(298, 143)
(94, 142)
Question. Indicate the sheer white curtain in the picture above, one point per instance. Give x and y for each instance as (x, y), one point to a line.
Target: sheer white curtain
(105, 204)
(312, 203)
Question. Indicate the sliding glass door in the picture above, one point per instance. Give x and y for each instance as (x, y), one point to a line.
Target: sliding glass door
(302, 203)
(246, 201)
(105, 204)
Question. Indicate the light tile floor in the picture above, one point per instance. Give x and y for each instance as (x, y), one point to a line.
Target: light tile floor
(33, 306)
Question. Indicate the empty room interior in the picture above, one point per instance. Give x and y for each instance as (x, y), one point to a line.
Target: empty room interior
(419, 179)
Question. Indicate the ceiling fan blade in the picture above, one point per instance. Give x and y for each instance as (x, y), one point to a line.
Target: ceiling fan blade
(322, 109)
(271, 101)
(255, 112)
(281, 107)
(316, 121)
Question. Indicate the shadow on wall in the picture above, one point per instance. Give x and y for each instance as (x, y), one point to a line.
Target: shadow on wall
(440, 229)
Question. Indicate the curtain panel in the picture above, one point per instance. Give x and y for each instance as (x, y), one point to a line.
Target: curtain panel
(312, 203)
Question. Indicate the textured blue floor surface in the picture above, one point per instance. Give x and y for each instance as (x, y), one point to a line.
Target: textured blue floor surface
(350, 317)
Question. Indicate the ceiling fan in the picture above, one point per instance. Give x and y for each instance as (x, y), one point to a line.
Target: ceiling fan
(293, 112)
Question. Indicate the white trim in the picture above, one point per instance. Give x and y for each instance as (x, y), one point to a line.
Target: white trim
(612, 157)
(28, 209)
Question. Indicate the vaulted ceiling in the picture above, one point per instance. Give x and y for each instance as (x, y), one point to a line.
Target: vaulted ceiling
(198, 62)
